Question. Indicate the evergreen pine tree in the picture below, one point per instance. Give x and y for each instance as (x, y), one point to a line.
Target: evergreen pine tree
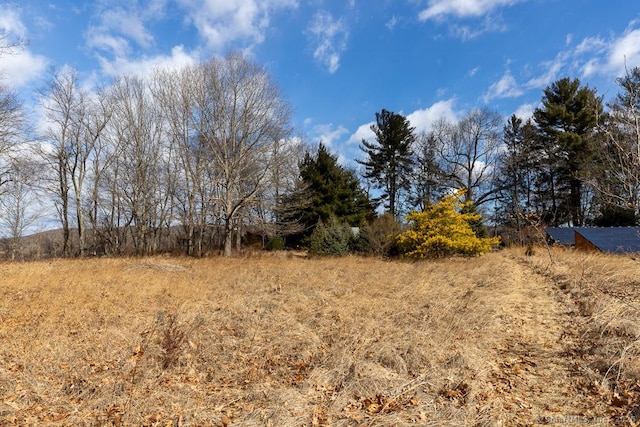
(328, 193)
(566, 122)
(390, 158)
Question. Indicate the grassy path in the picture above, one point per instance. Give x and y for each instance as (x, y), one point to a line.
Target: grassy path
(535, 377)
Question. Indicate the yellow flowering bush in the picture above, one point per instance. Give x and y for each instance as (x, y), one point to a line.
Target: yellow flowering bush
(443, 230)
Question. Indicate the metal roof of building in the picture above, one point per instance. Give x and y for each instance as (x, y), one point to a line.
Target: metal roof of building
(612, 239)
(561, 235)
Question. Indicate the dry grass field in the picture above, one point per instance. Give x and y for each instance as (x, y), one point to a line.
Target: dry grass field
(276, 340)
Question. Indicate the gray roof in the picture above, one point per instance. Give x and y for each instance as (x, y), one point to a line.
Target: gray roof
(612, 239)
(561, 235)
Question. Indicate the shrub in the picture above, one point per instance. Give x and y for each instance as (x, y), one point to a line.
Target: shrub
(276, 243)
(360, 243)
(332, 238)
(379, 237)
(443, 230)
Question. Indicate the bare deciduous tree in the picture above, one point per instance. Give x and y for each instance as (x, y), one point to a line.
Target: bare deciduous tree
(193, 191)
(64, 103)
(139, 179)
(470, 150)
(14, 189)
(206, 147)
(244, 123)
(284, 175)
(618, 184)
(77, 120)
(12, 126)
(11, 129)
(19, 206)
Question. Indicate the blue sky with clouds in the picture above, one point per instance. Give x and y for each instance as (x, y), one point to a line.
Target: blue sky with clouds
(339, 62)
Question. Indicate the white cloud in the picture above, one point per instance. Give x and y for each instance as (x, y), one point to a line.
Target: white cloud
(551, 72)
(128, 24)
(328, 37)
(221, 22)
(590, 44)
(101, 39)
(438, 10)
(462, 8)
(121, 27)
(391, 23)
(156, 8)
(11, 24)
(328, 134)
(568, 39)
(19, 66)
(490, 24)
(607, 57)
(506, 87)
(525, 111)
(144, 66)
(591, 67)
(424, 119)
(363, 132)
(592, 56)
(623, 51)
(22, 67)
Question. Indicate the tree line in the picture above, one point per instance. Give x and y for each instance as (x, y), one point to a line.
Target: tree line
(575, 162)
(199, 159)
(181, 158)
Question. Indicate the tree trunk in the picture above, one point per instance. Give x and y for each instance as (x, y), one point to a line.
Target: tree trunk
(237, 230)
(228, 237)
(81, 224)
(64, 213)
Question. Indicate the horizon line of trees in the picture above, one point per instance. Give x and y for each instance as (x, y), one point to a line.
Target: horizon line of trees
(193, 159)
(206, 149)
(574, 162)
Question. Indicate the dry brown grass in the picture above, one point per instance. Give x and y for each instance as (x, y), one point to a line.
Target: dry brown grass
(284, 341)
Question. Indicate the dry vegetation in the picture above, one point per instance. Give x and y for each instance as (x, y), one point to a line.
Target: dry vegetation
(501, 339)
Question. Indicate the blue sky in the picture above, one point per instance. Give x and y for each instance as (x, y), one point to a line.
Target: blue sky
(339, 62)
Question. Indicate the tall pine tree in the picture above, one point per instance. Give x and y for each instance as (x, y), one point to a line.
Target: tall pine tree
(390, 158)
(566, 122)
